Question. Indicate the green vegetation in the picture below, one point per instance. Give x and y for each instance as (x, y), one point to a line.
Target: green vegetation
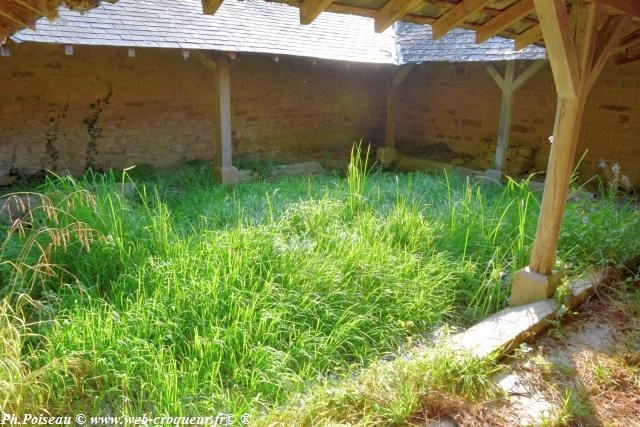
(165, 293)
(391, 393)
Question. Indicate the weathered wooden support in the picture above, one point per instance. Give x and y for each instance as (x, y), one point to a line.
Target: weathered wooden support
(572, 46)
(223, 169)
(388, 153)
(508, 84)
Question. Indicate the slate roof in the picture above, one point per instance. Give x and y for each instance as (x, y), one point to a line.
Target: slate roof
(238, 26)
(265, 27)
(415, 45)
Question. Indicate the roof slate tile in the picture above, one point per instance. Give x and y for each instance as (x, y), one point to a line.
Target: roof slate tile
(247, 25)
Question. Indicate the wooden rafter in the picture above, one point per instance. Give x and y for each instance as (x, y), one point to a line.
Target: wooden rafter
(629, 40)
(608, 37)
(457, 15)
(628, 7)
(584, 16)
(530, 36)
(556, 28)
(626, 59)
(393, 11)
(504, 20)
(210, 7)
(514, 19)
(310, 9)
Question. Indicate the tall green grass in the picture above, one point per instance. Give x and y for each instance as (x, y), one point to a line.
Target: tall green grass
(166, 293)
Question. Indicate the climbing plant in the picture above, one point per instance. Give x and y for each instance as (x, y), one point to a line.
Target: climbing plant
(94, 130)
(52, 137)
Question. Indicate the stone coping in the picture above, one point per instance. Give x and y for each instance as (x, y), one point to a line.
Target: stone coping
(502, 332)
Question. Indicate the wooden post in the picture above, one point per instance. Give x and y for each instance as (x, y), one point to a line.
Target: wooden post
(576, 51)
(506, 112)
(387, 154)
(509, 85)
(224, 172)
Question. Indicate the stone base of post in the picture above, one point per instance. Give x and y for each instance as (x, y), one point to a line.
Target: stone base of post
(387, 155)
(494, 174)
(225, 175)
(530, 286)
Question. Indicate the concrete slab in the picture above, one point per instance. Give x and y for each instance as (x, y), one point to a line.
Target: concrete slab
(508, 328)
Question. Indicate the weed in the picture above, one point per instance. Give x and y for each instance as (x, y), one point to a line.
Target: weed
(389, 393)
(94, 130)
(52, 137)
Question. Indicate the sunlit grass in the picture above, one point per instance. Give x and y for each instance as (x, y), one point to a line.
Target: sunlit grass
(167, 293)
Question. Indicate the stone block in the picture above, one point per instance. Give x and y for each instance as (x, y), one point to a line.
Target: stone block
(494, 174)
(225, 174)
(387, 155)
(530, 286)
(245, 175)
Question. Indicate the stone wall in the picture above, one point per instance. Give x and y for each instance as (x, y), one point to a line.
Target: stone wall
(157, 108)
(458, 106)
(160, 111)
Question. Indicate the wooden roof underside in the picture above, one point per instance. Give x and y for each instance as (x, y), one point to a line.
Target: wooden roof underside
(18, 14)
(515, 19)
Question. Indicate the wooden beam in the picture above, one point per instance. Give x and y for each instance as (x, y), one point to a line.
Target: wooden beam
(205, 60)
(509, 86)
(402, 74)
(209, 7)
(561, 162)
(224, 171)
(629, 41)
(456, 15)
(628, 7)
(496, 75)
(532, 35)
(626, 59)
(504, 20)
(393, 11)
(608, 39)
(528, 72)
(390, 125)
(561, 49)
(506, 112)
(585, 15)
(310, 9)
(569, 116)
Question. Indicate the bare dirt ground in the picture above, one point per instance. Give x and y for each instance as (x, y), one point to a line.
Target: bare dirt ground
(582, 372)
